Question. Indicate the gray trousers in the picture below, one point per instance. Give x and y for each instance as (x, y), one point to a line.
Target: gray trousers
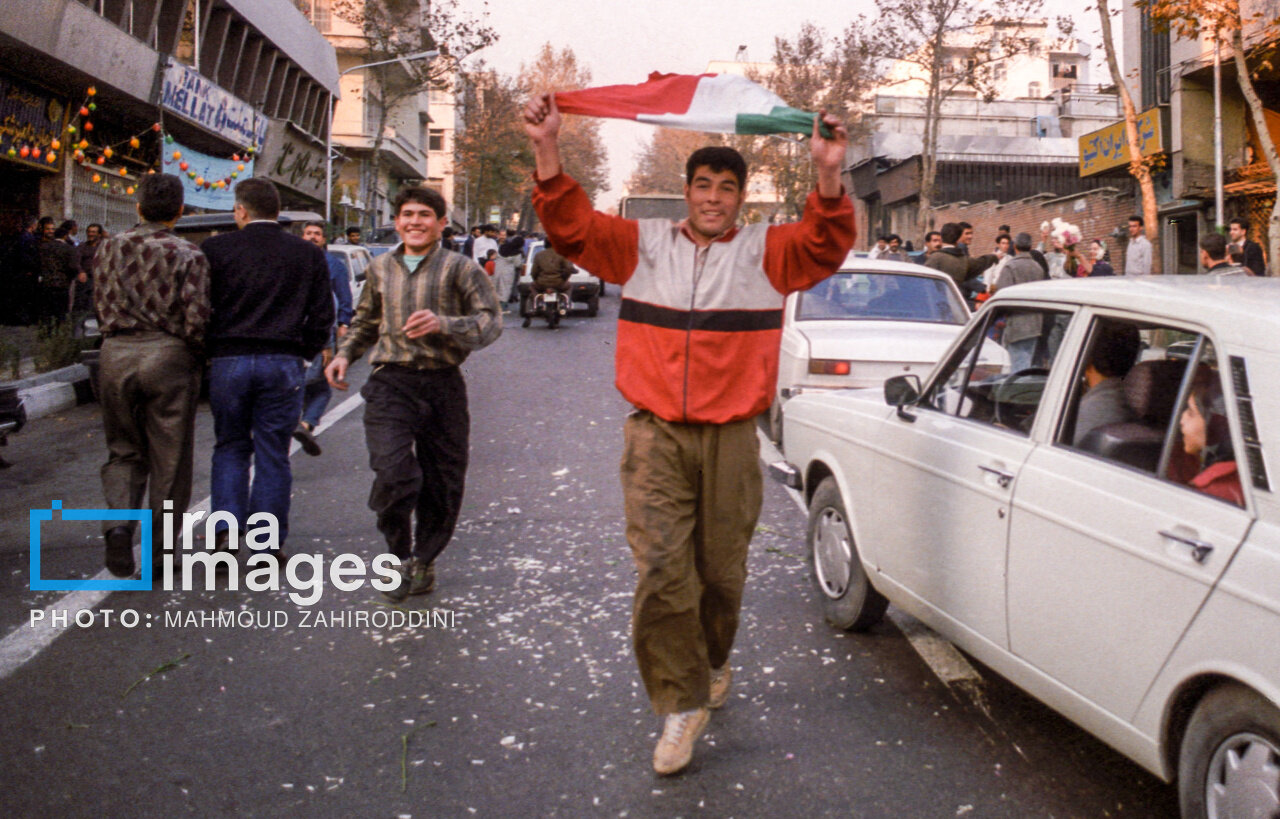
(148, 384)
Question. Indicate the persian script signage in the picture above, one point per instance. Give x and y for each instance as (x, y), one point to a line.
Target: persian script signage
(193, 96)
(1108, 147)
(291, 160)
(30, 119)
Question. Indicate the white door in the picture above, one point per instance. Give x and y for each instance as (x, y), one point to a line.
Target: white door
(1108, 562)
(947, 470)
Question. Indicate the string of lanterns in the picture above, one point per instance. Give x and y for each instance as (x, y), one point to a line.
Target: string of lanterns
(80, 127)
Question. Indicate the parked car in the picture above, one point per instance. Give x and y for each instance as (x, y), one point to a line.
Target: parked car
(1110, 544)
(355, 259)
(585, 287)
(869, 321)
(196, 227)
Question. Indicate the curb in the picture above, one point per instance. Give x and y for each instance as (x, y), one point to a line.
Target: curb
(55, 391)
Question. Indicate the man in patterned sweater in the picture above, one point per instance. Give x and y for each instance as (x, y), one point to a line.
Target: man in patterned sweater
(423, 310)
(152, 298)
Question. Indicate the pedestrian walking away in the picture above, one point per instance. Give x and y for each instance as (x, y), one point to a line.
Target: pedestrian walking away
(423, 310)
(272, 313)
(152, 299)
(315, 391)
(697, 355)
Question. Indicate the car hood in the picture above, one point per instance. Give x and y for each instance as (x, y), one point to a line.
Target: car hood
(878, 340)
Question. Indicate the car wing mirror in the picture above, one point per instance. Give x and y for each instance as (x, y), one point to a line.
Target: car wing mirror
(902, 391)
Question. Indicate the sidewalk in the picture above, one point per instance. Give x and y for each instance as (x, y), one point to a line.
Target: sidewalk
(42, 393)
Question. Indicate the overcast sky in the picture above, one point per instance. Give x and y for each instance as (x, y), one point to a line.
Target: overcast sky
(621, 42)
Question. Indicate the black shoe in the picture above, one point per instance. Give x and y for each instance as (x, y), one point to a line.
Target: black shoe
(303, 436)
(526, 322)
(416, 577)
(119, 557)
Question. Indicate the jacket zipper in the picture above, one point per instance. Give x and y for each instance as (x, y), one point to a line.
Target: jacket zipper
(699, 262)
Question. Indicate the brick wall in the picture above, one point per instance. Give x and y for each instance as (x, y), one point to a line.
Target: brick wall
(1097, 213)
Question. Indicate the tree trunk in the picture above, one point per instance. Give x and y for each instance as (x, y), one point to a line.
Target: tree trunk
(1268, 146)
(1138, 168)
(929, 147)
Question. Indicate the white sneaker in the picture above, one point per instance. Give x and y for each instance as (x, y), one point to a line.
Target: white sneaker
(675, 747)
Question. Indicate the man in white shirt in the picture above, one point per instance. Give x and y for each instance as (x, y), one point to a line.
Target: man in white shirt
(881, 248)
(1137, 257)
(483, 244)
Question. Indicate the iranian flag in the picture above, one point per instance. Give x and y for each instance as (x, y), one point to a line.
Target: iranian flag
(719, 103)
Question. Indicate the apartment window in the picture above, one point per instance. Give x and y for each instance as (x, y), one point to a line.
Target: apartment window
(317, 12)
(1033, 90)
(1154, 65)
(1064, 71)
(435, 139)
(1000, 73)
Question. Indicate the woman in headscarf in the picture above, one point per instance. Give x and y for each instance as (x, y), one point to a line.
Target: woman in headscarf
(1206, 435)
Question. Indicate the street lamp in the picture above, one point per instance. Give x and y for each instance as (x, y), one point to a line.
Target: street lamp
(328, 141)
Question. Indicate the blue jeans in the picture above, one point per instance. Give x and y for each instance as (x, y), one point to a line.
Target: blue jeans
(256, 401)
(316, 393)
(1022, 354)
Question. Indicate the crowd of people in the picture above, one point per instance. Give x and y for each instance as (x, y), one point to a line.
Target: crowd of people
(47, 269)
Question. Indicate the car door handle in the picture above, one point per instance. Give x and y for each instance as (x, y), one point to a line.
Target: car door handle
(1002, 477)
(1200, 549)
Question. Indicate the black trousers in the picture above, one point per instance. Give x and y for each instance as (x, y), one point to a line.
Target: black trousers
(417, 428)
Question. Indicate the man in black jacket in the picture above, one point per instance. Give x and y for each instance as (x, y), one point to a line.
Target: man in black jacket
(272, 312)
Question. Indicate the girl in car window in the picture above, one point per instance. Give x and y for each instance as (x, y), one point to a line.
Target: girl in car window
(1206, 435)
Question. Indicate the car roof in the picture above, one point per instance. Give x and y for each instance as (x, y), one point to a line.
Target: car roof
(348, 249)
(1245, 309)
(861, 264)
(225, 220)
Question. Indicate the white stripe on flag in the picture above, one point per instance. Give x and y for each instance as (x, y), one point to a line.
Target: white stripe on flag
(716, 104)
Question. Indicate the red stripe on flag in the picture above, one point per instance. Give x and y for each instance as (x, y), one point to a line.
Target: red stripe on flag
(661, 94)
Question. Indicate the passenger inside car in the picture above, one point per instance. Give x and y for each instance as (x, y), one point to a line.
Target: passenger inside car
(1206, 435)
(1115, 349)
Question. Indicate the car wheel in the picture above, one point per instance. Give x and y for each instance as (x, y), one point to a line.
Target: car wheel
(602, 287)
(1230, 760)
(848, 600)
(593, 305)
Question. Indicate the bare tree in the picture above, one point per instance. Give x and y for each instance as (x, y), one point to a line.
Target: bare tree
(1139, 165)
(813, 72)
(1190, 19)
(660, 166)
(952, 46)
(396, 29)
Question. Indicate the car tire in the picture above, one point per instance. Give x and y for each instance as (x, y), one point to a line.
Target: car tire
(602, 287)
(593, 305)
(849, 601)
(1233, 736)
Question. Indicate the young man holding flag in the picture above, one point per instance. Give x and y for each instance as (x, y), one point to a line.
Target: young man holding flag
(697, 356)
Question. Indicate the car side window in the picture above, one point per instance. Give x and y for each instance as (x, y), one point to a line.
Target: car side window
(1125, 390)
(999, 373)
(1201, 444)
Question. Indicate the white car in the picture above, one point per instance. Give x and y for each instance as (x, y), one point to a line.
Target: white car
(1095, 520)
(356, 259)
(869, 321)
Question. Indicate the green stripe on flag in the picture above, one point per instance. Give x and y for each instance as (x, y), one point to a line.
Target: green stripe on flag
(781, 120)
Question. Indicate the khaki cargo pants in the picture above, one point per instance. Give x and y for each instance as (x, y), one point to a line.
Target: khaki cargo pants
(692, 494)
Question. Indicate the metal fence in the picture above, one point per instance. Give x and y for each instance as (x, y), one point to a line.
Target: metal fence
(91, 202)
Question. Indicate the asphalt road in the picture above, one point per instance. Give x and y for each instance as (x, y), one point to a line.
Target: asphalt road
(522, 698)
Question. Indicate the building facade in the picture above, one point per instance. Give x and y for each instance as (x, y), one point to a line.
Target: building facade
(218, 76)
(1173, 82)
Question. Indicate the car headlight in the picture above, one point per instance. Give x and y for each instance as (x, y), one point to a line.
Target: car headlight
(828, 366)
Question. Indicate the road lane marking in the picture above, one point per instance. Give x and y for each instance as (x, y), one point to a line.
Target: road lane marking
(943, 658)
(25, 641)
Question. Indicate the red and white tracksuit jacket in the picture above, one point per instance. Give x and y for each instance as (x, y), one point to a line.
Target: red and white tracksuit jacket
(699, 328)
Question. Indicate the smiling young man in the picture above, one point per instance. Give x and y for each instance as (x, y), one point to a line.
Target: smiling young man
(423, 310)
(697, 355)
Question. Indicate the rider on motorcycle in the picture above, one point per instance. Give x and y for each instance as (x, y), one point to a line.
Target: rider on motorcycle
(550, 271)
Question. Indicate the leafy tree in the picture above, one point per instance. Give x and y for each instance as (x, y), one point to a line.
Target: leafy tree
(1139, 166)
(491, 151)
(1191, 19)
(394, 29)
(924, 35)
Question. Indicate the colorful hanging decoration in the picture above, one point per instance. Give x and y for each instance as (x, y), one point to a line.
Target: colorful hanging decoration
(206, 180)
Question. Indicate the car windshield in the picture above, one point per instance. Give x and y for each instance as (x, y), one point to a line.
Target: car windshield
(882, 296)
